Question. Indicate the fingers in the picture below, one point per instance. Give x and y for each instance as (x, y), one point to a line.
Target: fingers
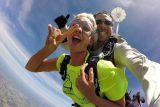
(58, 31)
(91, 75)
(82, 78)
(61, 37)
(54, 42)
(50, 32)
(82, 73)
(53, 32)
(71, 30)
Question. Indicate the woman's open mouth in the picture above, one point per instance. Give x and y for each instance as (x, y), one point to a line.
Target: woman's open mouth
(76, 39)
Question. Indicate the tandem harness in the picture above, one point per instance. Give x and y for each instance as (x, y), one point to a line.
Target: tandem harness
(107, 54)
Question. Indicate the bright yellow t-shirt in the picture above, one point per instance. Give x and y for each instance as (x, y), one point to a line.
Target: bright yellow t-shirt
(112, 82)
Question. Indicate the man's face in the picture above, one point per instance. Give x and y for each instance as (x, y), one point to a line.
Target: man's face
(104, 28)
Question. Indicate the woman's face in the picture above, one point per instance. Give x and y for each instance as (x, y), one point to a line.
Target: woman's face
(79, 39)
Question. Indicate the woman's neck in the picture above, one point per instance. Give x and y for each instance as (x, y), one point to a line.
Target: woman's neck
(78, 58)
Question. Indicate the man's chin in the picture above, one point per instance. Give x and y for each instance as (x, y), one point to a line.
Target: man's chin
(102, 39)
(103, 33)
(104, 36)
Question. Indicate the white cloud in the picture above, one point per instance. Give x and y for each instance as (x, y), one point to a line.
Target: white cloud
(5, 33)
(142, 5)
(24, 11)
(126, 3)
(6, 3)
(15, 56)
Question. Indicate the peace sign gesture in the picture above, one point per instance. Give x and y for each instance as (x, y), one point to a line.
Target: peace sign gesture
(54, 38)
(85, 83)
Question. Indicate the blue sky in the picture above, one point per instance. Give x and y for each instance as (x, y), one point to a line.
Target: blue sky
(23, 29)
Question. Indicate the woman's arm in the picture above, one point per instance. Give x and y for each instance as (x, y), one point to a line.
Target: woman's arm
(37, 62)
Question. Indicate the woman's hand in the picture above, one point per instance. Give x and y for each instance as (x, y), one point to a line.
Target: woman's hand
(85, 83)
(71, 30)
(53, 39)
(38, 62)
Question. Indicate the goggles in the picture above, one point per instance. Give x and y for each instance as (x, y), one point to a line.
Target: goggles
(85, 26)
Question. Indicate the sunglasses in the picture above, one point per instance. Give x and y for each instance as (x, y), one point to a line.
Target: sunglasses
(106, 22)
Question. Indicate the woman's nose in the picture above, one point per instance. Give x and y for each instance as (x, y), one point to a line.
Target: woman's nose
(79, 30)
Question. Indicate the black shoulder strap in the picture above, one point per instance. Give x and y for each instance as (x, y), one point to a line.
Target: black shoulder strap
(92, 62)
(108, 49)
(63, 67)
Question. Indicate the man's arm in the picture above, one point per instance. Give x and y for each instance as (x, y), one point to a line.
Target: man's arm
(130, 58)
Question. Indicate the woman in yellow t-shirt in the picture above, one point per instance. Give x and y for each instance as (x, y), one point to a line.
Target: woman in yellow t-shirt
(80, 35)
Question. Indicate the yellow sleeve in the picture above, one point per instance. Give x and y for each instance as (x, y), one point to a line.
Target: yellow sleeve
(59, 61)
(112, 81)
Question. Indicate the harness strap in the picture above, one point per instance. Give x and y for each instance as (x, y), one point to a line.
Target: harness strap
(76, 105)
(108, 49)
(63, 67)
(92, 62)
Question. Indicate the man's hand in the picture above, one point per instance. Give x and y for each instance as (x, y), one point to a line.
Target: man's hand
(85, 83)
(61, 21)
